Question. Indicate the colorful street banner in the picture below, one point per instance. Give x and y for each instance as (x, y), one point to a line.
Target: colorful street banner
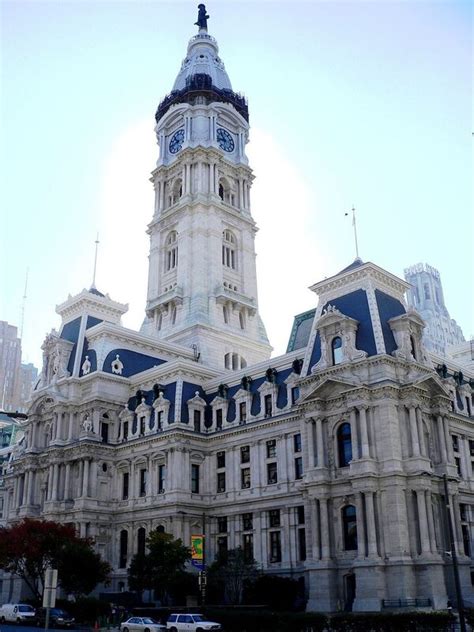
(197, 551)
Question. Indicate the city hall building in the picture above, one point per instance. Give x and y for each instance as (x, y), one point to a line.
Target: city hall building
(325, 464)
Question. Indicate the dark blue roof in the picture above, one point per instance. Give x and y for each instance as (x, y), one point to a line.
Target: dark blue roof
(94, 290)
(301, 330)
(355, 264)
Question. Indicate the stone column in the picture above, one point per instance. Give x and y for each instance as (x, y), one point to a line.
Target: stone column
(415, 444)
(467, 456)
(54, 491)
(364, 435)
(423, 521)
(286, 556)
(34, 429)
(371, 525)
(85, 478)
(442, 439)
(320, 442)
(359, 501)
(315, 531)
(449, 443)
(283, 472)
(81, 475)
(50, 483)
(355, 446)
(310, 442)
(59, 426)
(431, 526)
(131, 480)
(70, 430)
(421, 434)
(325, 543)
(93, 479)
(26, 488)
(67, 478)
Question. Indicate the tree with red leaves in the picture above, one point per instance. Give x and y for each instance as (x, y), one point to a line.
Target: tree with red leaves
(29, 547)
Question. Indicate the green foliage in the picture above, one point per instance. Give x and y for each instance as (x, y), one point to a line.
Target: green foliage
(231, 571)
(29, 547)
(392, 622)
(469, 615)
(161, 568)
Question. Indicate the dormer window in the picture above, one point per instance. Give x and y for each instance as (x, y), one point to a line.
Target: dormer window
(336, 350)
(229, 258)
(171, 251)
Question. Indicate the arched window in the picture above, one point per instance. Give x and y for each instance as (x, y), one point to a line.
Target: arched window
(177, 191)
(221, 191)
(228, 249)
(171, 251)
(225, 312)
(349, 528)
(141, 537)
(344, 444)
(123, 549)
(336, 350)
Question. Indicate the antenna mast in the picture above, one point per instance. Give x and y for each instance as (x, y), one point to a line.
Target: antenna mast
(95, 261)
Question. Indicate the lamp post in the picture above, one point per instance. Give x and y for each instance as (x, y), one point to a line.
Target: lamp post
(457, 583)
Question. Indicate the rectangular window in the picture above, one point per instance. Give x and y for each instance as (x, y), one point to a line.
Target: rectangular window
(298, 468)
(455, 441)
(268, 405)
(125, 429)
(220, 459)
(194, 479)
(466, 540)
(274, 517)
(219, 418)
(245, 454)
(104, 432)
(295, 393)
(243, 412)
(300, 514)
(221, 482)
(161, 478)
(245, 478)
(271, 449)
(275, 546)
(142, 491)
(463, 512)
(197, 420)
(272, 473)
(297, 443)
(125, 485)
(301, 544)
(222, 544)
(247, 521)
(458, 465)
(142, 425)
(247, 546)
(471, 447)
(222, 524)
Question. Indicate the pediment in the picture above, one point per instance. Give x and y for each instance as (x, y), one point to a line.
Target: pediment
(330, 386)
(432, 384)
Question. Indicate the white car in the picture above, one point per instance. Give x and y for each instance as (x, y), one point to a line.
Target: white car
(190, 623)
(142, 624)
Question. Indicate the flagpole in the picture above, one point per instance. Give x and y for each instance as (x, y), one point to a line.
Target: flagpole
(354, 226)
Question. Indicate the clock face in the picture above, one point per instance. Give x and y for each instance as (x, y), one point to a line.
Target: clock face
(225, 140)
(176, 141)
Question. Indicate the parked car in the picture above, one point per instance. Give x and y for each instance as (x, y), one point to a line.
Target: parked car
(58, 618)
(142, 624)
(190, 623)
(17, 613)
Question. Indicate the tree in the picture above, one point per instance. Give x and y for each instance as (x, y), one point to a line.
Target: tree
(232, 571)
(29, 547)
(160, 568)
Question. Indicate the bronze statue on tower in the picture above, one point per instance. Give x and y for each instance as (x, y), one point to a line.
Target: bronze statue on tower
(202, 17)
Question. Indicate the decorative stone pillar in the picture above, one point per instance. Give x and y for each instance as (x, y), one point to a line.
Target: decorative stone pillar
(449, 442)
(371, 525)
(315, 531)
(85, 478)
(325, 544)
(67, 478)
(431, 526)
(34, 431)
(310, 442)
(359, 501)
(415, 444)
(50, 483)
(421, 434)
(364, 435)
(423, 521)
(354, 442)
(320, 441)
(54, 492)
(442, 439)
(26, 488)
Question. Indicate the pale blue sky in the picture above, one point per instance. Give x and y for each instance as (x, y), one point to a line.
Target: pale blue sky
(365, 103)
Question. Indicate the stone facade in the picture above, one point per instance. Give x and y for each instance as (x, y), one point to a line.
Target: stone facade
(326, 464)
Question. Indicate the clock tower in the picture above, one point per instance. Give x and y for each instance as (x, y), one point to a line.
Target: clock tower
(202, 285)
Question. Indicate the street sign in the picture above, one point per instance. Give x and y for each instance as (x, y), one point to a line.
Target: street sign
(197, 552)
(50, 585)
